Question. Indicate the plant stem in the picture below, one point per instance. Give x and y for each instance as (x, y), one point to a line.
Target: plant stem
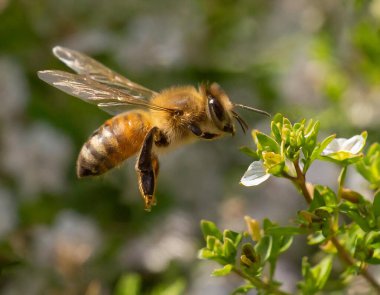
(341, 179)
(259, 284)
(300, 182)
(343, 254)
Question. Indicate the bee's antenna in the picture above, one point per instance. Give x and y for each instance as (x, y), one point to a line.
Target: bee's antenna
(242, 123)
(252, 109)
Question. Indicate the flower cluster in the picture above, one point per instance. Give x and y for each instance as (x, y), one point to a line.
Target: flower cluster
(290, 144)
(288, 152)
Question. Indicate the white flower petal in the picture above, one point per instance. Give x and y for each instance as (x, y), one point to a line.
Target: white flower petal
(354, 144)
(333, 147)
(351, 145)
(255, 174)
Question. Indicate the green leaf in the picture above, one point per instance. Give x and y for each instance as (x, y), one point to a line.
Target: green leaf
(318, 149)
(376, 204)
(286, 242)
(266, 143)
(222, 271)
(128, 284)
(209, 229)
(229, 250)
(324, 201)
(352, 211)
(369, 166)
(307, 286)
(214, 245)
(321, 271)
(205, 253)
(267, 224)
(374, 260)
(316, 238)
(176, 287)
(263, 248)
(373, 245)
(311, 133)
(318, 201)
(286, 122)
(243, 289)
(326, 229)
(324, 212)
(233, 236)
(305, 267)
(349, 272)
(327, 194)
(276, 131)
(312, 128)
(373, 239)
(250, 152)
(278, 119)
(315, 277)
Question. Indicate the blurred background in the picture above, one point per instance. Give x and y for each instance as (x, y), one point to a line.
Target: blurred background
(61, 235)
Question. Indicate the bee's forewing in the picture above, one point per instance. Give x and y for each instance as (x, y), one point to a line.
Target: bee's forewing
(79, 86)
(85, 65)
(106, 97)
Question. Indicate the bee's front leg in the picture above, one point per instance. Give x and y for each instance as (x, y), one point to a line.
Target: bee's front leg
(147, 167)
(198, 132)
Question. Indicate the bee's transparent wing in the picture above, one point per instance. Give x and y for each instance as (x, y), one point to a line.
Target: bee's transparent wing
(85, 65)
(110, 99)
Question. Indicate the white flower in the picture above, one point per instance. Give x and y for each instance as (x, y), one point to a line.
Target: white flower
(37, 156)
(255, 174)
(172, 240)
(68, 243)
(351, 145)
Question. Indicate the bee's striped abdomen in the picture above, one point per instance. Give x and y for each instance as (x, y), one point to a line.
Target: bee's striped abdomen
(115, 141)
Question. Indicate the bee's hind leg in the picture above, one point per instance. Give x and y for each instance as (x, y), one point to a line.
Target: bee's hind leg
(147, 167)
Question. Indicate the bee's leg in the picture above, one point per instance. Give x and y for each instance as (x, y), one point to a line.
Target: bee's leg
(147, 169)
(198, 132)
(156, 168)
(160, 139)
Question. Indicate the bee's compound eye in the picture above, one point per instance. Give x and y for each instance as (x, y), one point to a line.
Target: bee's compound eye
(216, 109)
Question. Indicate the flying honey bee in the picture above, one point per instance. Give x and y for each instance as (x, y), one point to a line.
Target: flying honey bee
(165, 119)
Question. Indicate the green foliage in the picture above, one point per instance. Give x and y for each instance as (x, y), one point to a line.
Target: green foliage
(288, 151)
(219, 247)
(128, 284)
(131, 284)
(253, 256)
(369, 167)
(315, 277)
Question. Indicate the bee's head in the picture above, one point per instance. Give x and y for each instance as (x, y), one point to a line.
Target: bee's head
(219, 107)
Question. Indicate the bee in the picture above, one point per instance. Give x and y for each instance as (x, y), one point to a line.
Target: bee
(158, 121)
